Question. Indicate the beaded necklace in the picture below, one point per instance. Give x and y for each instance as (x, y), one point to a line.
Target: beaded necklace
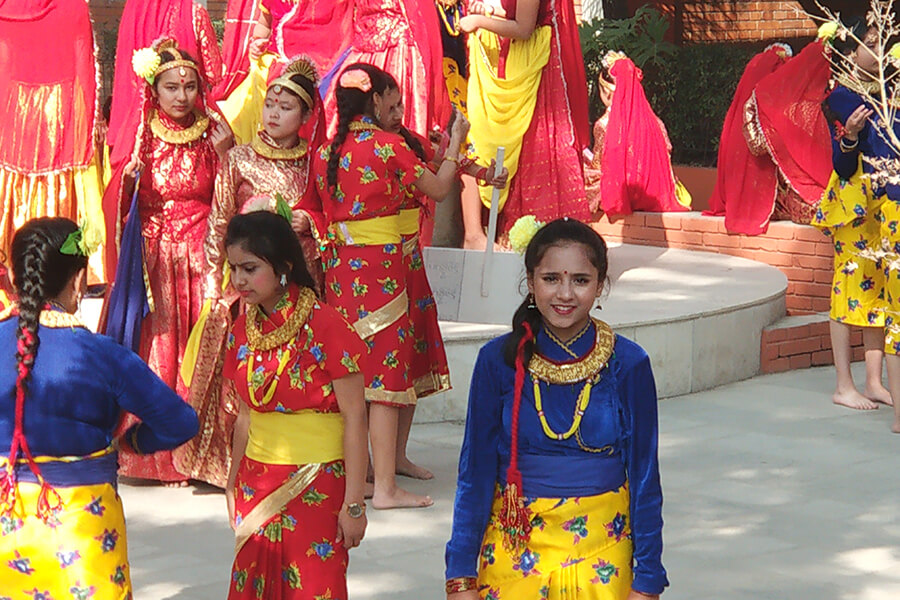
(288, 332)
(586, 370)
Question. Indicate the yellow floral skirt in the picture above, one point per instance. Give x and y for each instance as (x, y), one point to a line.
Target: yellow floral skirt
(890, 241)
(81, 552)
(852, 218)
(579, 549)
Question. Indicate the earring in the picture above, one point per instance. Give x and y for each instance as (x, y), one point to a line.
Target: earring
(283, 280)
(599, 306)
(531, 305)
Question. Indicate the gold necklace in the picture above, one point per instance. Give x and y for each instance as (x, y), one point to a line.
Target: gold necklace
(454, 7)
(267, 150)
(364, 126)
(256, 341)
(580, 370)
(48, 318)
(284, 334)
(179, 136)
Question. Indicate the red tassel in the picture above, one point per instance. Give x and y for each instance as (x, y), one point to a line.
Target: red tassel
(8, 492)
(514, 518)
(46, 510)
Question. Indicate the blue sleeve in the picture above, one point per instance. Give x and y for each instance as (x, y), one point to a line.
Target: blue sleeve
(478, 466)
(638, 393)
(843, 102)
(167, 421)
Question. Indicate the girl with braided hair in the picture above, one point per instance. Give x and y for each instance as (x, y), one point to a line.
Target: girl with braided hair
(361, 176)
(70, 387)
(558, 472)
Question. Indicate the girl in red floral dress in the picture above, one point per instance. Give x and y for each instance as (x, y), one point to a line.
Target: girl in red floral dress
(295, 490)
(361, 178)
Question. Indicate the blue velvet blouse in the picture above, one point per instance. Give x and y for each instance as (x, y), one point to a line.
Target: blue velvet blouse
(621, 416)
(80, 384)
(843, 102)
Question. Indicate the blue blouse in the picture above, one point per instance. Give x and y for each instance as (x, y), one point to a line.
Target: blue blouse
(843, 102)
(621, 416)
(80, 384)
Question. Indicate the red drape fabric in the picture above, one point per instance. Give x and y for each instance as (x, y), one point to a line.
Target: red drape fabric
(636, 167)
(240, 18)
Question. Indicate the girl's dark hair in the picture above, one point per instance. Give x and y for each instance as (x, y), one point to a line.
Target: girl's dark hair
(40, 272)
(308, 86)
(859, 28)
(352, 102)
(560, 232)
(270, 237)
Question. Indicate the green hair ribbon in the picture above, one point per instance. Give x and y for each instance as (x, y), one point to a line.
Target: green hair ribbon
(74, 244)
(283, 208)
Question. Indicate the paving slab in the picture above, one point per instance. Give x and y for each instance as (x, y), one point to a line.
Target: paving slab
(770, 491)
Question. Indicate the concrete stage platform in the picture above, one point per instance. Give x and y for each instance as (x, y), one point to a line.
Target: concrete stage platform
(699, 315)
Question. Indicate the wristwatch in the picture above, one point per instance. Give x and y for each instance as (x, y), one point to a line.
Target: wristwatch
(356, 510)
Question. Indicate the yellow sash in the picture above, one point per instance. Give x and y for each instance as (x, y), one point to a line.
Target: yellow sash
(376, 231)
(501, 108)
(301, 438)
(409, 221)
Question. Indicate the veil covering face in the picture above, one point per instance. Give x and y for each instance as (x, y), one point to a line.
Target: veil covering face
(637, 169)
(741, 173)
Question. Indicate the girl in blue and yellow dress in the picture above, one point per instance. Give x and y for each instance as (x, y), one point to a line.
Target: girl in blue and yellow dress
(62, 527)
(559, 494)
(857, 137)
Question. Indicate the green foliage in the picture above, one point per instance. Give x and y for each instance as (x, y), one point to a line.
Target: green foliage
(691, 93)
(689, 87)
(219, 27)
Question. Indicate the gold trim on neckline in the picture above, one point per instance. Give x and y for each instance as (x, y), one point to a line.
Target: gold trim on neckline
(49, 318)
(179, 136)
(275, 153)
(364, 126)
(578, 370)
(257, 342)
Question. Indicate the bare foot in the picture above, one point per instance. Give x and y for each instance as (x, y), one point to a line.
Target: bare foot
(400, 498)
(408, 468)
(369, 490)
(879, 394)
(896, 426)
(853, 399)
(175, 484)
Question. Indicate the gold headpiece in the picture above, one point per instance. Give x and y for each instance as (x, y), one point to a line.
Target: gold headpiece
(299, 66)
(147, 62)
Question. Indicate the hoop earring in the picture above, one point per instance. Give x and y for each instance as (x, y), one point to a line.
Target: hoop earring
(283, 281)
(531, 305)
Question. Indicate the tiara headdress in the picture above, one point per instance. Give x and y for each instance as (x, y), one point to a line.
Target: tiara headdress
(304, 67)
(147, 62)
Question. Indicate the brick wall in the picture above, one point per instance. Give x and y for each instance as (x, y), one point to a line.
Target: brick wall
(801, 252)
(733, 20)
(798, 343)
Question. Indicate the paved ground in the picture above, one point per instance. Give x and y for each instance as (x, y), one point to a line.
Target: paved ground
(770, 492)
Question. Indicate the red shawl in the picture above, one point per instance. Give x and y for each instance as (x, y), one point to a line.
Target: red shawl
(789, 107)
(240, 18)
(637, 169)
(739, 172)
(320, 29)
(48, 98)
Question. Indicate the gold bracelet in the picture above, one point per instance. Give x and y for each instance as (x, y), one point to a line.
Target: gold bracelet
(452, 159)
(460, 584)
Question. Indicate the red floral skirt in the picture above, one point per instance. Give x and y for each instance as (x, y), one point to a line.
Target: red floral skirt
(294, 555)
(367, 285)
(428, 370)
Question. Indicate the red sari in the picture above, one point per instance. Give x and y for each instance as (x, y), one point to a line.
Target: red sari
(174, 201)
(320, 30)
(401, 37)
(365, 272)
(292, 553)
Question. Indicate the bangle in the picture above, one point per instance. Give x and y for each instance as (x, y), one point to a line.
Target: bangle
(452, 159)
(132, 440)
(848, 146)
(489, 11)
(460, 584)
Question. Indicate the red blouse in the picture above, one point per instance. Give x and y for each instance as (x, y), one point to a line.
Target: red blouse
(325, 348)
(373, 172)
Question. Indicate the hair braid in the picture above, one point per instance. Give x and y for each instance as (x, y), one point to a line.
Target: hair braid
(347, 110)
(413, 142)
